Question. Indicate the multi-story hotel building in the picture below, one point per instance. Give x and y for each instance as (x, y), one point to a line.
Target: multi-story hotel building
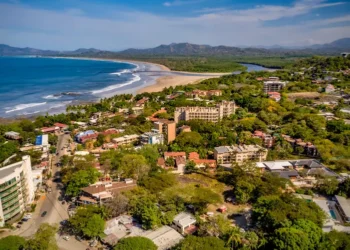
(273, 86)
(16, 189)
(210, 114)
(168, 128)
(239, 154)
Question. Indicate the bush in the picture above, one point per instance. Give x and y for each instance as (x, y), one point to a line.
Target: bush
(135, 243)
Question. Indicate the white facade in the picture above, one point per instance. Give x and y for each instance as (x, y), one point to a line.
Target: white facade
(16, 189)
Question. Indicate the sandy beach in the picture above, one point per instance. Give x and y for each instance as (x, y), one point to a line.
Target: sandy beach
(174, 80)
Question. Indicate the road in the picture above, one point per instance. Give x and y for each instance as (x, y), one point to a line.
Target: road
(56, 211)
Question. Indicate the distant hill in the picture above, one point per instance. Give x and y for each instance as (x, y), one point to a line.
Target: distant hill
(188, 49)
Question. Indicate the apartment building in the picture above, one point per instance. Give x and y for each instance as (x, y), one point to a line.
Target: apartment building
(210, 114)
(273, 86)
(126, 139)
(204, 93)
(152, 138)
(166, 127)
(16, 189)
(239, 153)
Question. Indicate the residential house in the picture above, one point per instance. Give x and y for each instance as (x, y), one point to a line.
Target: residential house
(267, 139)
(126, 139)
(184, 128)
(343, 206)
(152, 138)
(204, 93)
(201, 163)
(274, 96)
(184, 223)
(273, 86)
(164, 238)
(13, 135)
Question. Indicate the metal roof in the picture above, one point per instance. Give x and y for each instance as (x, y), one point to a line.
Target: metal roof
(344, 204)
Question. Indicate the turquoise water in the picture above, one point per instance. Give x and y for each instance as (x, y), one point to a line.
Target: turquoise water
(333, 214)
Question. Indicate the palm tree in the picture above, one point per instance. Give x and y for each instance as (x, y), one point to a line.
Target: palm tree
(235, 237)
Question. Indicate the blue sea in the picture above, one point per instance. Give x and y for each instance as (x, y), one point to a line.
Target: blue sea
(33, 85)
(38, 85)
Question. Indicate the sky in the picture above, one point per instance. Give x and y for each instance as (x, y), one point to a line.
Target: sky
(121, 24)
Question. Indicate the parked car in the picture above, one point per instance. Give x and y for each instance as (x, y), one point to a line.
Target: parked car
(78, 238)
(93, 243)
(43, 214)
(18, 226)
(66, 238)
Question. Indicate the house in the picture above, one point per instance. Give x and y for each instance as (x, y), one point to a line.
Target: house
(142, 102)
(49, 130)
(82, 137)
(164, 238)
(103, 191)
(273, 85)
(274, 96)
(61, 126)
(184, 128)
(329, 88)
(184, 223)
(13, 135)
(343, 206)
(174, 155)
(204, 93)
(126, 139)
(201, 163)
(267, 139)
(180, 164)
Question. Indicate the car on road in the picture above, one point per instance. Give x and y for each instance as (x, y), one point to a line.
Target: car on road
(18, 226)
(78, 238)
(63, 202)
(93, 243)
(43, 214)
(66, 238)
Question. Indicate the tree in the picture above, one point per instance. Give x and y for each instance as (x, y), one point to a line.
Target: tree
(133, 165)
(147, 212)
(344, 187)
(12, 243)
(80, 179)
(327, 185)
(117, 205)
(170, 162)
(44, 238)
(217, 226)
(335, 240)
(234, 238)
(243, 191)
(158, 182)
(303, 234)
(135, 243)
(89, 221)
(202, 243)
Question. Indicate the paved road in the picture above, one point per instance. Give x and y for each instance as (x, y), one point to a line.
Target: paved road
(56, 212)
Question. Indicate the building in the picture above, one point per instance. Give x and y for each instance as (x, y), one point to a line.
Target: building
(12, 135)
(168, 128)
(274, 96)
(103, 191)
(184, 223)
(345, 54)
(152, 138)
(174, 155)
(184, 128)
(83, 137)
(239, 153)
(164, 238)
(42, 140)
(142, 102)
(16, 189)
(273, 86)
(204, 93)
(210, 114)
(267, 139)
(343, 206)
(201, 163)
(307, 147)
(126, 139)
(329, 88)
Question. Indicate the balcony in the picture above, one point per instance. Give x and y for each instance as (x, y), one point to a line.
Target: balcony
(9, 197)
(10, 209)
(13, 213)
(10, 191)
(11, 202)
(8, 186)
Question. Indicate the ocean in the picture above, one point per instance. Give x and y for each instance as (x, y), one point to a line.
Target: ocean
(33, 85)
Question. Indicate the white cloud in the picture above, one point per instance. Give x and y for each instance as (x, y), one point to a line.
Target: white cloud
(48, 29)
(180, 2)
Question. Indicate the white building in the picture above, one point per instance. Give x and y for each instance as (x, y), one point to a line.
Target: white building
(16, 189)
(183, 222)
(164, 237)
(239, 153)
(126, 139)
(152, 138)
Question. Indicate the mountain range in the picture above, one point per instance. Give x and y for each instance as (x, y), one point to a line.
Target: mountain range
(187, 49)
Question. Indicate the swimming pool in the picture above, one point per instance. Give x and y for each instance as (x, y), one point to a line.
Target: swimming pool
(333, 214)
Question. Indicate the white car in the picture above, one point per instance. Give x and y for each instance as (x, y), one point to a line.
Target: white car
(66, 238)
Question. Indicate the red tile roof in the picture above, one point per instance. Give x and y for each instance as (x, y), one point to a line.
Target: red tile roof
(174, 154)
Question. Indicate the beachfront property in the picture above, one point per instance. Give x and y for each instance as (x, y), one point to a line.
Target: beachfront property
(209, 114)
(168, 128)
(16, 189)
(126, 139)
(152, 138)
(273, 85)
(239, 153)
